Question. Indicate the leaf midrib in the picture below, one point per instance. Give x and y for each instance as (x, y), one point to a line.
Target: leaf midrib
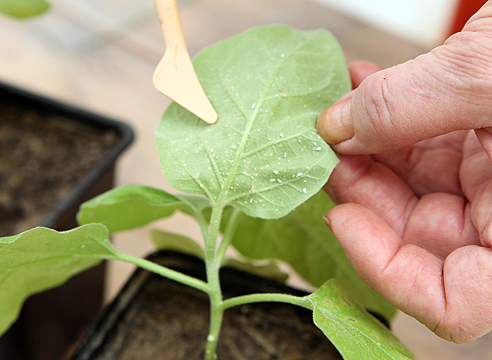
(221, 199)
(346, 327)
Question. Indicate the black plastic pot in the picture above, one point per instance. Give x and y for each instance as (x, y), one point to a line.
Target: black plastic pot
(52, 321)
(152, 303)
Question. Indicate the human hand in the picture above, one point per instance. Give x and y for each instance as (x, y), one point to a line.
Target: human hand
(416, 217)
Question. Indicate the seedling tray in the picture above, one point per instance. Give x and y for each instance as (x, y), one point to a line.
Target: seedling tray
(156, 318)
(53, 156)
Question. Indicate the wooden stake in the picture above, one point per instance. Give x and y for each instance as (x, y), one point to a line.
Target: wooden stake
(175, 76)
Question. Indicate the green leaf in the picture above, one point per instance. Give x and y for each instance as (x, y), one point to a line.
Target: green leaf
(263, 156)
(132, 206)
(23, 8)
(164, 240)
(268, 270)
(41, 258)
(303, 240)
(354, 332)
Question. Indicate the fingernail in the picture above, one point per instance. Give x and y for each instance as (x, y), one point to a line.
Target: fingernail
(334, 124)
(327, 221)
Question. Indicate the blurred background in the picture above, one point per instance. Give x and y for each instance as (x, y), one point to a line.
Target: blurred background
(100, 55)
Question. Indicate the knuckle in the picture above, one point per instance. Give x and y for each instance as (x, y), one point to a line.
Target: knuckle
(379, 107)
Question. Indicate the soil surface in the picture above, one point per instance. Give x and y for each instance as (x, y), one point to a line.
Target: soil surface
(42, 159)
(169, 321)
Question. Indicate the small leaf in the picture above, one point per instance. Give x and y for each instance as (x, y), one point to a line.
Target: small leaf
(164, 240)
(263, 156)
(41, 258)
(303, 240)
(168, 241)
(132, 206)
(354, 332)
(269, 270)
(23, 8)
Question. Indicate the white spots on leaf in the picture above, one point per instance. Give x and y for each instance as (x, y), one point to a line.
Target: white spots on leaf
(304, 190)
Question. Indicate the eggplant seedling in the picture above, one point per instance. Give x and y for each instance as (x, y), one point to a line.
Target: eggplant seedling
(252, 180)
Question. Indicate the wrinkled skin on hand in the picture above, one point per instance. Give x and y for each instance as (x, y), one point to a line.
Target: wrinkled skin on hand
(414, 181)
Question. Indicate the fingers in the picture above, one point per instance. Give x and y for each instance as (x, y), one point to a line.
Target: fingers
(450, 298)
(442, 91)
(360, 180)
(340, 126)
(407, 276)
(467, 275)
(430, 166)
(475, 177)
(439, 223)
(359, 70)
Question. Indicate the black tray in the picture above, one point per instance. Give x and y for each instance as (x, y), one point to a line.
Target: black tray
(100, 179)
(106, 338)
(51, 322)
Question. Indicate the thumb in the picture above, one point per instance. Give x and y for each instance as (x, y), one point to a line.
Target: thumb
(448, 89)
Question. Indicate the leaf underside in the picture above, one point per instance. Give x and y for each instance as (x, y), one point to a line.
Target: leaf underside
(132, 206)
(42, 258)
(263, 156)
(355, 333)
(303, 240)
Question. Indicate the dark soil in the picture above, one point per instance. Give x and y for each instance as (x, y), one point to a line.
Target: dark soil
(169, 321)
(42, 159)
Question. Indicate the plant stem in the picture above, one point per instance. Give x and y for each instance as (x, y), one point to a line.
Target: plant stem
(164, 271)
(267, 297)
(212, 266)
(227, 236)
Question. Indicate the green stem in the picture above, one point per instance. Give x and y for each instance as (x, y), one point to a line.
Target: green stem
(199, 217)
(228, 234)
(164, 271)
(212, 266)
(267, 297)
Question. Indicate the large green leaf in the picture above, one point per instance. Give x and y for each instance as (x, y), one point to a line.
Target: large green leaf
(303, 240)
(263, 156)
(23, 8)
(355, 333)
(132, 206)
(41, 258)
